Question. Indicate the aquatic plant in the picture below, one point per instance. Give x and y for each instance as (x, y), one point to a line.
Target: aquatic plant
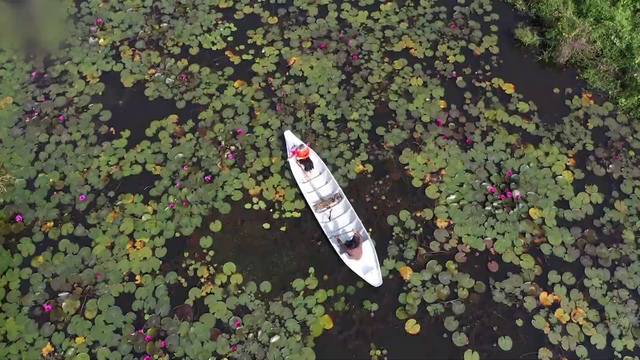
(116, 232)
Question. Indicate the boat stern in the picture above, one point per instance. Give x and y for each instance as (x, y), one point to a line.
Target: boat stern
(373, 277)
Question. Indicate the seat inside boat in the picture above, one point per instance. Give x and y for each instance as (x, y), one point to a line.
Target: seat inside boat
(328, 202)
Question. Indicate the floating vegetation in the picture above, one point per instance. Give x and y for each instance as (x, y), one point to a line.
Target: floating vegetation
(129, 237)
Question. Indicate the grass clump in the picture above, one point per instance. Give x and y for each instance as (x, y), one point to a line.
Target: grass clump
(599, 36)
(526, 35)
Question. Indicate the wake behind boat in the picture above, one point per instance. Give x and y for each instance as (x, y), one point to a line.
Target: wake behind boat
(334, 212)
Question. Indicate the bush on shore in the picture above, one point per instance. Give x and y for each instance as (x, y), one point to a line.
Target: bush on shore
(601, 37)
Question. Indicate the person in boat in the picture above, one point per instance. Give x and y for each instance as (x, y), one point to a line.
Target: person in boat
(302, 156)
(353, 246)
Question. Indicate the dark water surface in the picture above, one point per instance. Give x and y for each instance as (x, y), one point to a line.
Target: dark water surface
(281, 256)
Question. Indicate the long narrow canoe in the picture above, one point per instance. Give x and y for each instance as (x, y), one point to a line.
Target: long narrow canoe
(334, 212)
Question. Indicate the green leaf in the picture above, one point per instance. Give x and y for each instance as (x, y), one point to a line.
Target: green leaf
(215, 225)
(505, 343)
(229, 268)
(206, 242)
(265, 286)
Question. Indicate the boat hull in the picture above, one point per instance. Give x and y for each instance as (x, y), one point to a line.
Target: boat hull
(339, 218)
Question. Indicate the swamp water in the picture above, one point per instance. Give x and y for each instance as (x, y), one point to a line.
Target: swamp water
(148, 213)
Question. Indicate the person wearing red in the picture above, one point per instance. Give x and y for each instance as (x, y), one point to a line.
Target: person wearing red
(302, 156)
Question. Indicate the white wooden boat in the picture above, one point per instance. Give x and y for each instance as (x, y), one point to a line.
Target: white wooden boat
(337, 217)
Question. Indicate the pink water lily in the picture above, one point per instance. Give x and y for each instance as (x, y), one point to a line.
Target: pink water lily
(509, 172)
(141, 331)
(341, 35)
(61, 117)
(18, 218)
(100, 21)
(146, 357)
(230, 156)
(492, 189)
(207, 178)
(178, 184)
(453, 26)
(185, 203)
(282, 92)
(278, 107)
(163, 343)
(469, 141)
(445, 137)
(454, 74)
(502, 197)
(239, 131)
(516, 194)
(34, 73)
(509, 193)
(148, 338)
(234, 347)
(323, 46)
(82, 197)
(98, 275)
(439, 121)
(350, 42)
(172, 205)
(185, 167)
(238, 323)
(354, 56)
(47, 307)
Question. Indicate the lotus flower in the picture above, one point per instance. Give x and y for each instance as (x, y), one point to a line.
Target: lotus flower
(100, 21)
(469, 141)
(453, 26)
(61, 117)
(354, 56)
(492, 189)
(172, 205)
(148, 338)
(323, 46)
(239, 131)
(509, 172)
(47, 307)
(163, 343)
(82, 197)
(185, 203)
(185, 167)
(278, 107)
(18, 218)
(439, 121)
(207, 178)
